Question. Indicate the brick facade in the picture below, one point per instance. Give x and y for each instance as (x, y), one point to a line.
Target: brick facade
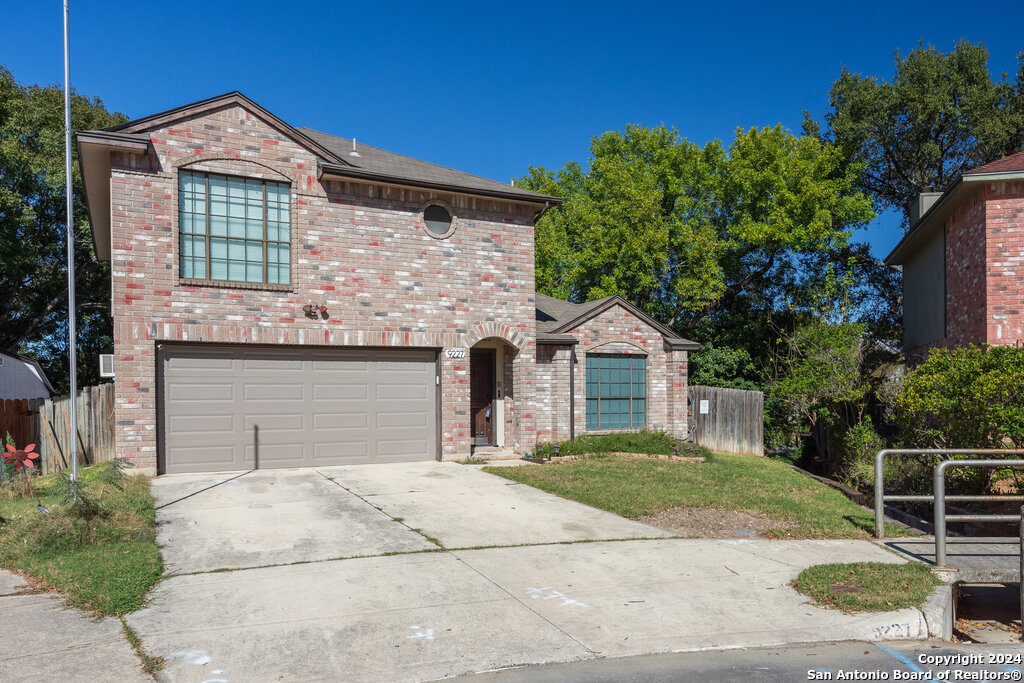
(984, 271)
(1004, 253)
(361, 249)
(553, 397)
(614, 330)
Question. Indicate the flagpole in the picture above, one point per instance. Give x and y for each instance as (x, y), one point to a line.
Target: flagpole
(72, 351)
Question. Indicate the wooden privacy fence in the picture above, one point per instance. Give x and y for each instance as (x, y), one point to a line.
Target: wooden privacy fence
(46, 422)
(727, 420)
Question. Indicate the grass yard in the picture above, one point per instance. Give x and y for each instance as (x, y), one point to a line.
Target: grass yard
(636, 488)
(867, 586)
(102, 555)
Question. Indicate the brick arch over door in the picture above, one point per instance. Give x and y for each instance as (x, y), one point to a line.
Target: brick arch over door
(492, 329)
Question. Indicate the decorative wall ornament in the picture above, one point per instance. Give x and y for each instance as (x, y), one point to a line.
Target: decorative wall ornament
(315, 311)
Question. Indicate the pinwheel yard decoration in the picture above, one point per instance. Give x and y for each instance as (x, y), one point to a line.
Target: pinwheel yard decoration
(20, 457)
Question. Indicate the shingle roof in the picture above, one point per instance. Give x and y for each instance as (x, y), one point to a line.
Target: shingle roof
(553, 314)
(555, 317)
(334, 153)
(1010, 164)
(386, 163)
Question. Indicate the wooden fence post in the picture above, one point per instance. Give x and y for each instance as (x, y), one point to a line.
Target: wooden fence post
(50, 427)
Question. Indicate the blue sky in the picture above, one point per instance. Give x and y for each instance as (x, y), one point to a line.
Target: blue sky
(492, 88)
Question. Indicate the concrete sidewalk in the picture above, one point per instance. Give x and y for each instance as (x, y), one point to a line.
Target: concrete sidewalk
(45, 642)
(432, 615)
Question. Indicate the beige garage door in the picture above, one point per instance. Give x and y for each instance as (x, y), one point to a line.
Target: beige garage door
(231, 408)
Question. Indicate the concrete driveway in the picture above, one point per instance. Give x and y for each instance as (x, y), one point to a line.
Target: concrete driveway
(269, 517)
(420, 598)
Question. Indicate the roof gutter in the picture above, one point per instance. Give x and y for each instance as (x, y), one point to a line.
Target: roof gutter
(113, 140)
(338, 171)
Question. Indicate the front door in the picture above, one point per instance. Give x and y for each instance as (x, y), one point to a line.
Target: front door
(481, 395)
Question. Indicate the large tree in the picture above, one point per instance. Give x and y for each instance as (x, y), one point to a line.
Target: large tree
(688, 233)
(941, 114)
(33, 285)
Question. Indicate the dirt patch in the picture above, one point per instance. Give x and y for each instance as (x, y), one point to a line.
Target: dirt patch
(712, 523)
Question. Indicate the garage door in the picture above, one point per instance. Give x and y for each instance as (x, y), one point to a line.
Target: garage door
(231, 408)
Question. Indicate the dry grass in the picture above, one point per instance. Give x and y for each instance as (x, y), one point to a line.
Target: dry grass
(100, 551)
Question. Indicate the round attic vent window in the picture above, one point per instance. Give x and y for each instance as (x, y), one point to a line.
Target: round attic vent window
(438, 220)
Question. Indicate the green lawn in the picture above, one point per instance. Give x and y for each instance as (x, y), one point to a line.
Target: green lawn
(104, 559)
(867, 586)
(638, 487)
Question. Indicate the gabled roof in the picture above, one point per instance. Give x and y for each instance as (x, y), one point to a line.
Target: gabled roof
(332, 154)
(373, 163)
(33, 367)
(962, 189)
(165, 118)
(556, 318)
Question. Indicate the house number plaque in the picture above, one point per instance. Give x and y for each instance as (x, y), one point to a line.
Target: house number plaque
(455, 353)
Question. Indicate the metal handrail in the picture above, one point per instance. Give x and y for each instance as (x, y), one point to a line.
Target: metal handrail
(940, 502)
(881, 498)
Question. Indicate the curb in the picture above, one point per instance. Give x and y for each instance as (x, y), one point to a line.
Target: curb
(938, 613)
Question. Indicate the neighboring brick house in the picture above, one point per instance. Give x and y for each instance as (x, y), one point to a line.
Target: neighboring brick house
(284, 298)
(963, 262)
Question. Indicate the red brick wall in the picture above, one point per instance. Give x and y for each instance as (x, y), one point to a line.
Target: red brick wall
(1004, 250)
(984, 270)
(359, 249)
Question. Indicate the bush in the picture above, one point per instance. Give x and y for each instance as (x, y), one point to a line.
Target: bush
(652, 443)
(857, 448)
(964, 398)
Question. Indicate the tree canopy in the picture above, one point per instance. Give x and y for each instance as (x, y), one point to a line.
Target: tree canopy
(684, 231)
(941, 114)
(33, 276)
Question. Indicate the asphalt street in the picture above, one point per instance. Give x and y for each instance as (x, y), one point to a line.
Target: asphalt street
(849, 661)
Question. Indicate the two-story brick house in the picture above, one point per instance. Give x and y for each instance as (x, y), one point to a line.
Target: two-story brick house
(286, 298)
(963, 262)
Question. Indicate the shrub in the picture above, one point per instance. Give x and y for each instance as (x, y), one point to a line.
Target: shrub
(964, 398)
(722, 366)
(857, 447)
(652, 443)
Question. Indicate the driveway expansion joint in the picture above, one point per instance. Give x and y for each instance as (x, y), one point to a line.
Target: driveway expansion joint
(400, 520)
